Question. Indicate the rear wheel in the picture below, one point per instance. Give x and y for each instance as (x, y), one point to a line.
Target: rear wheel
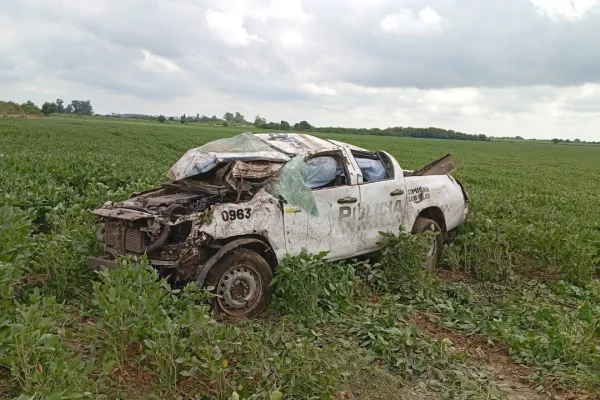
(436, 242)
(241, 280)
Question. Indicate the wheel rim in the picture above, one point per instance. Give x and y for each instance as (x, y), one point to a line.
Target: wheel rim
(239, 290)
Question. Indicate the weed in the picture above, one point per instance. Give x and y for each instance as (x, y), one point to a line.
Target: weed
(39, 362)
(313, 289)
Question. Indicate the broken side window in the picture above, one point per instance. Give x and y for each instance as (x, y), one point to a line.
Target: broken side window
(324, 171)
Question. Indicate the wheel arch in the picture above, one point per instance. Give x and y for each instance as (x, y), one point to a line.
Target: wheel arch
(256, 243)
(436, 214)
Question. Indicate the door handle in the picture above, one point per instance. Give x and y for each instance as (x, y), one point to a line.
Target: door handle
(397, 192)
(345, 200)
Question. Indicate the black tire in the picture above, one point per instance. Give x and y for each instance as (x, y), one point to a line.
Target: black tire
(241, 270)
(423, 225)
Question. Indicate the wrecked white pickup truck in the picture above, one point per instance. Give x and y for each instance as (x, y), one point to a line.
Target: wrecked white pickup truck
(235, 207)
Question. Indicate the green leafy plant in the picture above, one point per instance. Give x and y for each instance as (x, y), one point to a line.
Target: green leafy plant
(39, 362)
(312, 288)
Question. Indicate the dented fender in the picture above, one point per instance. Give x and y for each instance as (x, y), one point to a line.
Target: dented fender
(204, 268)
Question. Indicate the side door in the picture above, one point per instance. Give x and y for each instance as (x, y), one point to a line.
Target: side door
(382, 190)
(333, 184)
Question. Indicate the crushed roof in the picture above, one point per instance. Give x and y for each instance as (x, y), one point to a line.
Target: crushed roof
(297, 143)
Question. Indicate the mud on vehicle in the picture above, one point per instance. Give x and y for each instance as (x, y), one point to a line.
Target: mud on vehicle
(234, 207)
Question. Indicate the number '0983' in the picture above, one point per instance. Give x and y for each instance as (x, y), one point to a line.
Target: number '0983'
(232, 215)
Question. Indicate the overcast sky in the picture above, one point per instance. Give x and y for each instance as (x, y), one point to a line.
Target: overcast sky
(497, 67)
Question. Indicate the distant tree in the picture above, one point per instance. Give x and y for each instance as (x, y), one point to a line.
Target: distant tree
(48, 108)
(303, 125)
(81, 107)
(519, 138)
(60, 108)
(197, 119)
(239, 118)
(555, 141)
(259, 121)
(86, 108)
(214, 118)
(272, 125)
(161, 118)
(30, 108)
(228, 117)
(182, 119)
(285, 126)
(70, 109)
(577, 140)
(225, 123)
(568, 141)
(204, 119)
(171, 119)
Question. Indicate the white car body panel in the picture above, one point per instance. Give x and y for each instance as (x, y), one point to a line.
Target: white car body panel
(343, 230)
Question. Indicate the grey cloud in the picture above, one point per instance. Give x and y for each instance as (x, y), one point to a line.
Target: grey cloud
(505, 48)
(486, 44)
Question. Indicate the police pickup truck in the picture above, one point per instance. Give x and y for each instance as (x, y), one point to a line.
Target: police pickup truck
(234, 208)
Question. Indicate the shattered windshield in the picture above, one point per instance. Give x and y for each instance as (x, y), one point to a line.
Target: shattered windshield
(292, 186)
(242, 165)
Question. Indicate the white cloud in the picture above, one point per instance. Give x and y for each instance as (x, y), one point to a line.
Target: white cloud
(406, 22)
(250, 66)
(454, 96)
(291, 39)
(229, 28)
(312, 88)
(276, 9)
(157, 63)
(570, 10)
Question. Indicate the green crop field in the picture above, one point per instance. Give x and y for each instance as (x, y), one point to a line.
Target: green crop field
(514, 309)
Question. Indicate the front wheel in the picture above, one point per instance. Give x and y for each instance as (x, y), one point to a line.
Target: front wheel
(436, 242)
(241, 280)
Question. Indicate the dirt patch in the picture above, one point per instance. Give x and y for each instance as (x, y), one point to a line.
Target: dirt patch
(377, 383)
(7, 384)
(511, 378)
(447, 275)
(477, 347)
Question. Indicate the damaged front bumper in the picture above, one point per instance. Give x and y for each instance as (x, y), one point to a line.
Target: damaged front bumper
(98, 263)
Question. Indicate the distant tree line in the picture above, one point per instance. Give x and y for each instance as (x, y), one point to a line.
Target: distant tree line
(233, 119)
(84, 107)
(557, 141)
(432, 133)
(81, 107)
(237, 119)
